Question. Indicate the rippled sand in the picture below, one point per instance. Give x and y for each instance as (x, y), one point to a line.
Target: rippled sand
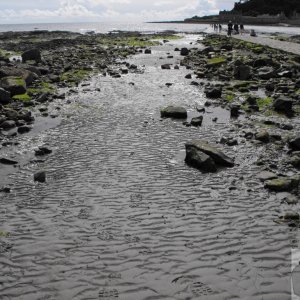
(122, 216)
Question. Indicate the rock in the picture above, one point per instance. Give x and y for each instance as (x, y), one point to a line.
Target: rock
(148, 51)
(40, 176)
(166, 67)
(7, 161)
(24, 129)
(266, 73)
(291, 216)
(262, 61)
(4, 97)
(295, 143)
(184, 51)
(235, 110)
(199, 160)
(242, 72)
(32, 54)
(282, 184)
(213, 92)
(262, 136)
(174, 112)
(295, 161)
(218, 156)
(188, 76)
(43, 150)
(25, 74)
(197, 121)
(15, 85)
(8, 124)
(265, 175)
(284, 105)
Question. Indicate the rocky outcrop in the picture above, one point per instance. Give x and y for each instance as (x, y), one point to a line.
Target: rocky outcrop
(32, 54)
(194, 147)
(15, 85)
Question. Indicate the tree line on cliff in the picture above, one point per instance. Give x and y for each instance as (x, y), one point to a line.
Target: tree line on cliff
(272, 7)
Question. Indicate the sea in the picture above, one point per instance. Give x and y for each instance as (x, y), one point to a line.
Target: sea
(141, 27)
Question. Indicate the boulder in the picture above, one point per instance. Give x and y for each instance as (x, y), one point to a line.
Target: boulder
(148, 51)
(295, 143)
(40, 176)
(4, 97)
(218, 156)
(174, 112)
(166, 67)
(24, 129)
(32, 54)
(184, 51)
(213, 92)
(242, 72)
(7, 161)
(15, 85)
(235, 110)
(27, 75)
(284, 105)
(282, 184)
(8, 124)
(197, 121)
(266, 73)
(262, 136)
(198, 159)
(262, 61)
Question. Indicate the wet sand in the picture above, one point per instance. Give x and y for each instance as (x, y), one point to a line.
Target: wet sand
(122, 216)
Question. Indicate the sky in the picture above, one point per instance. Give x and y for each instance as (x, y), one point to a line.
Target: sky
(43, 11)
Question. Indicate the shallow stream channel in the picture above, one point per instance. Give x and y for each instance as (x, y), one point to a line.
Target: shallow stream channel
(122, 216)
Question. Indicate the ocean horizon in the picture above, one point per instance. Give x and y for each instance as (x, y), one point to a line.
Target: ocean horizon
(105, 27)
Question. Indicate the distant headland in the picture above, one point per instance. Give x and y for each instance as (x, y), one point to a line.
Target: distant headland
(254, 12)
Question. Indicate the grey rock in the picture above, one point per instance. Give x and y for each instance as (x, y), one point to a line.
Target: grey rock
(197, 121)
(262, 136)
(218, 156)
(8, 124)
(265, 175)
(174, 112)
(15, 85)
(282, 184)
(198, 159)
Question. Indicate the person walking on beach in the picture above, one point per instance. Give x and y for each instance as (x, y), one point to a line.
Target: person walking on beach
(230, 27)
(236, 28)
(241, 29)
(220, 28)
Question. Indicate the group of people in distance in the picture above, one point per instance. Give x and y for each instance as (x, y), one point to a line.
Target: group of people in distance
(236, 28)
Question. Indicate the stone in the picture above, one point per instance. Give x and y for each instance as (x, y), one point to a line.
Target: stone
(262, 61)
(266, 73)
(282, 184)
(15, 85)
(166, 67)
(262, 136)
(284, 105)
(7, 161)
(242, 72)
(199, 160)
(184, 51)
(4, 97)
(32, 54)
(213, 92)
(188, 76)
(295, 161)
(25, 74)
(40, 176)
(8, 124)
(148, 51)
(295, 143)
(174, 112)
(197, 121)
(266, 175)
(42, 150)
(24, 129)
(218, 156)
(235, 110)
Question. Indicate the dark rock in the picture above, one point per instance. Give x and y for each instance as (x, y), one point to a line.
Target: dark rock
(242, 72)
(166, 67)
(235, 110)
(174, 112)
(284, 105)
(15, 85)
(40, 176)
(4, 97)
(7, 161)
(295, 161)
(148, 51)
(198, 159)
(188, 76)
(43, 150)
(197, 121)
(262, 136)
(213, 92)
(282, 184)
(8, 124)
(24, 129)
(295, 143)
(32, 54)
(218, 156)
(184, 51)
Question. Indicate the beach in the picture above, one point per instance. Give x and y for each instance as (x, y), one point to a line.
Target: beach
(101, 199)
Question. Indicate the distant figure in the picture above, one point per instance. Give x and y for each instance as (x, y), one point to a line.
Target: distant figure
(236, 28)
(241, 28)
(252, 32)
(230, 27)
(220, 28)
